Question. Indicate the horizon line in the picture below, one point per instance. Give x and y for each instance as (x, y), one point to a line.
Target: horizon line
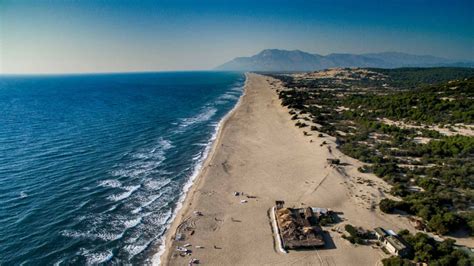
(197, 70)
(110, 72)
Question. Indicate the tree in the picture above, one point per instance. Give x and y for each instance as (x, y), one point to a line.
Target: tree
(396, 261)
(387, 205)
(436, 224)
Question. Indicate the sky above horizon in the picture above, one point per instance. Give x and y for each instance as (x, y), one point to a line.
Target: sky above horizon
(50, 36)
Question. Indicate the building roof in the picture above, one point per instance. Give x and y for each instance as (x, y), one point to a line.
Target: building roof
(395, 242)
(319, 210)
(391, 232)
(296, 228)
(381, 231)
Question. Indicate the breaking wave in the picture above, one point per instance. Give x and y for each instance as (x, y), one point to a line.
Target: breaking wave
(94, 258)
(145, 161)
(206, 114)
(129, 191)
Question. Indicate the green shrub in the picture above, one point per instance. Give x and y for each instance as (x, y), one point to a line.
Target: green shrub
(397, 261)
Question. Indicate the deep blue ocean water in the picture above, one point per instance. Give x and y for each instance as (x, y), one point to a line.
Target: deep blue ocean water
(92, 166)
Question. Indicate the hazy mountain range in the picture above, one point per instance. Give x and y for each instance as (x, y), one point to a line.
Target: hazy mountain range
(296, 60)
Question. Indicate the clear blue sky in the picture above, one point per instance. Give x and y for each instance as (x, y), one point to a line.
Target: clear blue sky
(42, 36)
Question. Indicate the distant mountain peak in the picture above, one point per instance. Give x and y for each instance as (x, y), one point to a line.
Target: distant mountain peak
(297, 60)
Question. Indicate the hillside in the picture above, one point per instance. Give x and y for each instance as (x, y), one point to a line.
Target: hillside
(296, 60)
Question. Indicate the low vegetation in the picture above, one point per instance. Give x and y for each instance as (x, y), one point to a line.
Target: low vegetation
(356, 235)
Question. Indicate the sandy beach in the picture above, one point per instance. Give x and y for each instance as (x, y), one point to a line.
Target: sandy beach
(261, 153)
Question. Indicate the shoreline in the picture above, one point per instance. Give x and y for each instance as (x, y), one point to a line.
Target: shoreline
(260, 153)
(191, 184)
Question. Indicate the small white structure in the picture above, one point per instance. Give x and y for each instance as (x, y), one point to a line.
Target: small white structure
(322, 211)
(392, 242)
(380, 233)
(395, 246)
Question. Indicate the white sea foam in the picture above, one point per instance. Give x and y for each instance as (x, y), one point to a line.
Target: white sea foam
(237, 89)
(113, 207)
(203, 116)
(156, 184)
(113, 183)
(220, 102)
(156, 259)
(94, 258)
(140, 168)
(59, 262)
(164, 192)
(165, 144)
(132, 223)
(146, 214)
(137, 210)
(129, 191)
(108, 236)
(200, 144)
(228, 96)
(144, 161)
(134, 250)
(197, 156)
(162, 218)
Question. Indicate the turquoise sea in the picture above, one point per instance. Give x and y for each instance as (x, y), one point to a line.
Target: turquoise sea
(92, 167)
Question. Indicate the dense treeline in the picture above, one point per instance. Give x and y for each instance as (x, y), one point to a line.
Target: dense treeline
(449, 103)
(455, 146)
(412, 77)
(433, 209)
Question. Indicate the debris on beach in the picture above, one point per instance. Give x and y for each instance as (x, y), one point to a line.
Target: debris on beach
(179, 237)
(236, 193)
(193, 261)
(197, 213)
(332, 161)
(181, 249)
(243, 201)
(186, 245)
